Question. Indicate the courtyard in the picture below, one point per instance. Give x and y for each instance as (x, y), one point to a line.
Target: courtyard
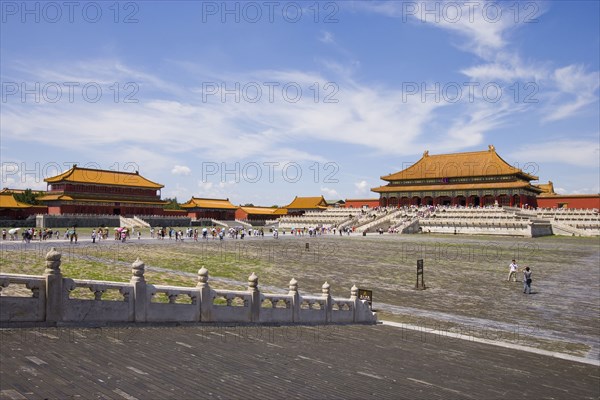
(465, 277)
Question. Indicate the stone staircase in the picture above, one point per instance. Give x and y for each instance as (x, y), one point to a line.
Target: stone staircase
(226, 224)
(410, 226)
(243, 223)
(132, 222)
(140, 221)
(559, 228)
(378, 221)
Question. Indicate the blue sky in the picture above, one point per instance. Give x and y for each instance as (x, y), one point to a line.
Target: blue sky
(262, 101)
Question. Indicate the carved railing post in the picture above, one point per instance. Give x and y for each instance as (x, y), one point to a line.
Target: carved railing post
(255, 302)
(328, 306)
(355, 301)
(295, 300)
(139, 290)
(206, 301)
(54, 286)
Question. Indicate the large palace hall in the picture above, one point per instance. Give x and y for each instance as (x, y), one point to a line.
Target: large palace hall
(477, 178)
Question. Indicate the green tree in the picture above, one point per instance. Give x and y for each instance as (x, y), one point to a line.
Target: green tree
(27, 197)
(172, 204)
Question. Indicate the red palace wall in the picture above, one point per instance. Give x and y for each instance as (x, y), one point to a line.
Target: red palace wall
(241, 214)
(53, 210)
(109, 209)
(359, 203)
(591, 201)
(225, 215)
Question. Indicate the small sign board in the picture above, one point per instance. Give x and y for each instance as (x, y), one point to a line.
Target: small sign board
(420, 282)
(364, 294)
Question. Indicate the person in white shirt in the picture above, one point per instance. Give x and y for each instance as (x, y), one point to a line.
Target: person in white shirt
(513, 268)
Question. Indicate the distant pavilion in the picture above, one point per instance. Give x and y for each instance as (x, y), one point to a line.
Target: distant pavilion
(221, 209)
(300, 205)
(478, 178)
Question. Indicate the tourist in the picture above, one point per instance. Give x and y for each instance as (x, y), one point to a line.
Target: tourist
(527, 280)
(3, 234)
(513, 268)
(94, 236)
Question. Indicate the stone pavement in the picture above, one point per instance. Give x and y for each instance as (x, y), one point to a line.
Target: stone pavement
(268, 362)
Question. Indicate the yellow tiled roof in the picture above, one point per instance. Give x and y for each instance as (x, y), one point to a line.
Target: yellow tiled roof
(51, 197)
(9, 201)
(104, 177)
(458, 186)
(307, 203)
(20, 191)
(476, 163)
(547, 188)
(196, 202)
(259, 210)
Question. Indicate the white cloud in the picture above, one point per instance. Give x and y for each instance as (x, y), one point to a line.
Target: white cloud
(379, 118)
(180, 192)
(361, 187)
(181, 170)
(576, 88)
(329, 193)
(326, 37)
(21, 175)
(485, 25)
(560, 190)
(506, 67)
(220, 190)
(205, 185)
(582, 153)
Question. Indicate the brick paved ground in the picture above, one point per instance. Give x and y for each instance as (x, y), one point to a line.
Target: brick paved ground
(331, 362)
(466, 277)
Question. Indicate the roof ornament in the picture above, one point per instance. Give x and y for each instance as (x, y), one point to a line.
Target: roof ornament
(491, 147)
(426, 153)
